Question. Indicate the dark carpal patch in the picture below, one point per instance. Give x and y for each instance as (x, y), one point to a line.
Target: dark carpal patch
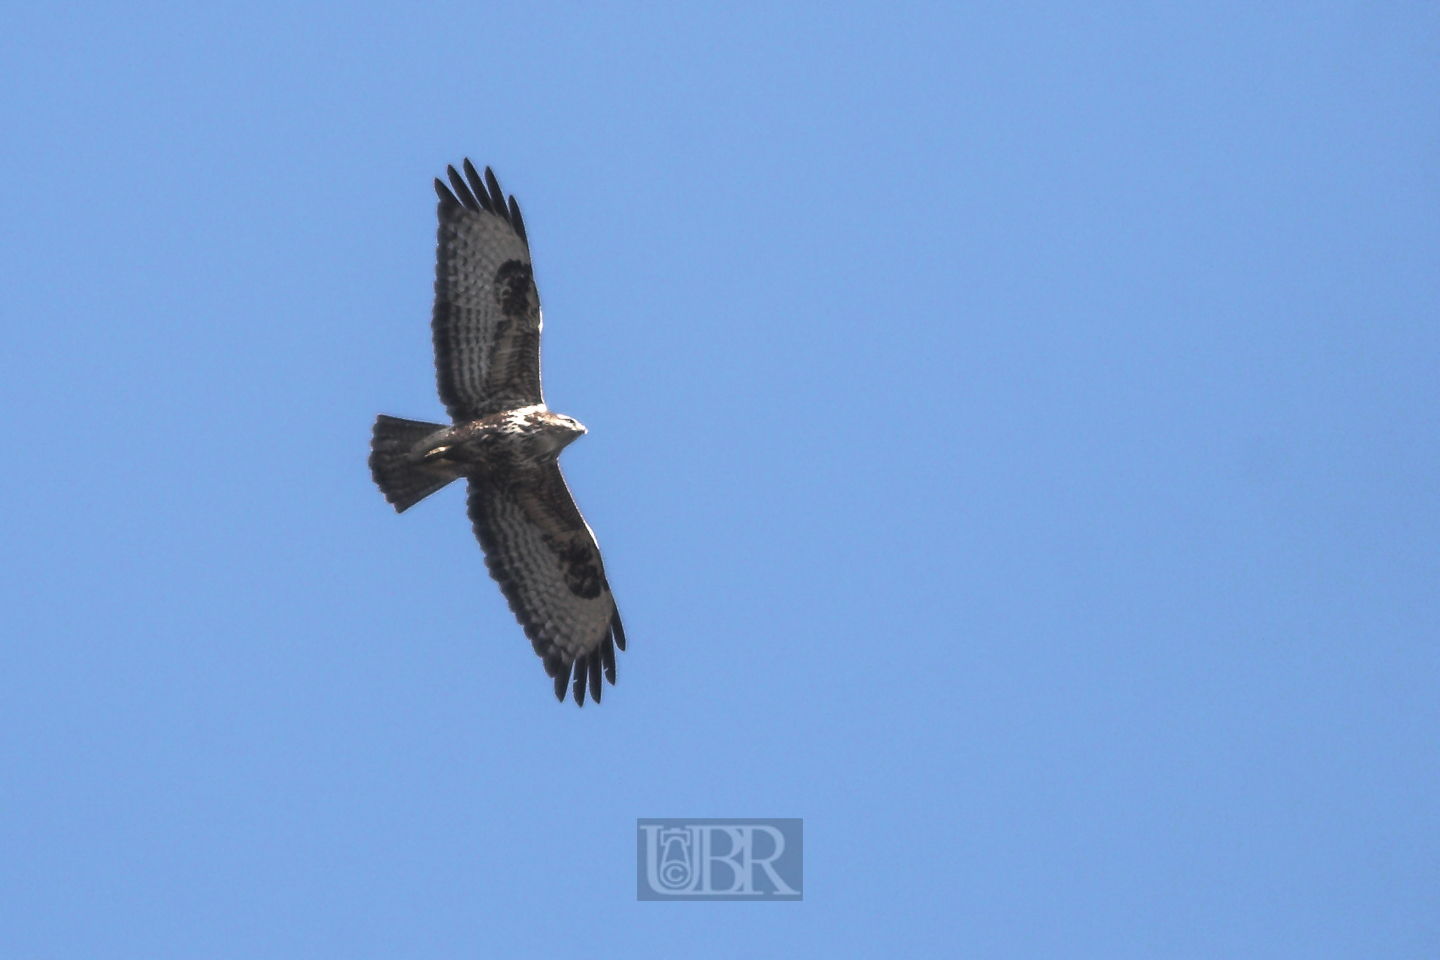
(514, 282)
(582, 570)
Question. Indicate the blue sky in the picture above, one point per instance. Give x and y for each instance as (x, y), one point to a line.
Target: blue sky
(1012, 439)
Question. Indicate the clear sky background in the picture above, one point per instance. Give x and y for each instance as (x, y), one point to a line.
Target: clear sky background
(1013, 440)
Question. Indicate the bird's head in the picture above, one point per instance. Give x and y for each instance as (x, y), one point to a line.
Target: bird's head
(564, 430)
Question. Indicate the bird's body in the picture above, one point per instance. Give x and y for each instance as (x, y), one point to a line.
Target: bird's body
(504, 441)
(520, 439)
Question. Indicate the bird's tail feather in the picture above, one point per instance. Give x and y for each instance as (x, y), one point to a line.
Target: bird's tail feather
(403, 481)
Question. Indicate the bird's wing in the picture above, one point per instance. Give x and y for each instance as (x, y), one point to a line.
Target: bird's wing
(486, 322)
(543, 555)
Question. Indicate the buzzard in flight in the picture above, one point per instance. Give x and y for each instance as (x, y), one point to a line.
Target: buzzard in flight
(503, 440)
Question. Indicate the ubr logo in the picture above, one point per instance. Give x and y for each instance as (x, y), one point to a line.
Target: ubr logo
(719, 859)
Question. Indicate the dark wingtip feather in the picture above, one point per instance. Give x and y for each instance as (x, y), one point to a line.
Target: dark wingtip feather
(618, 629)
(607, 656)
(552, 663)
(595, 686)
(462, 191)
(443, 192)
(517, 222)
(477, 186)
(582, 673)
(562, 680)
(497, 196)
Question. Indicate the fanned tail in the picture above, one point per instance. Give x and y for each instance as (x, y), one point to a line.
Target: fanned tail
(403, 481)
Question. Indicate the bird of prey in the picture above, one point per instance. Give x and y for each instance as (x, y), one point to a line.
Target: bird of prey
(503, 439)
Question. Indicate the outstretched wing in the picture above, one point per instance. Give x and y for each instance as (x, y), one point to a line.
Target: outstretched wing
(540, 551)
(486, 322)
